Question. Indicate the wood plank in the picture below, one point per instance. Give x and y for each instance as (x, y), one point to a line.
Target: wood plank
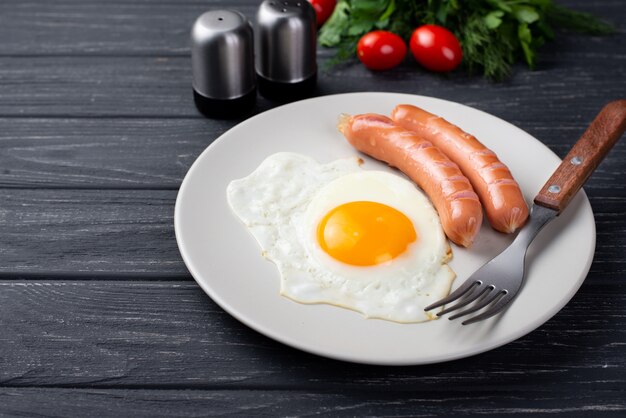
(102, 153)
(156, 153)
(129, 233)
(569, 84)
(146, 27)
(170, 335)
(122, 28)
(174, 403)
(95, 231)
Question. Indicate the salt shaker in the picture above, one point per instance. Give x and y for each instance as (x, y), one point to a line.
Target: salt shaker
(222, 59)
(285, 46)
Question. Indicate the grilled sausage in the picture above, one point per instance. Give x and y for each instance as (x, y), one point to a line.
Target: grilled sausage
(499, 193)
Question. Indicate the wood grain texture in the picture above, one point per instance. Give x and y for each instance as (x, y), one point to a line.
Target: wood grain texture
(161, 86)
(144, 27)
(102, 153)
(130, 233)
(140, 153)
(169, 335)
(200, 403)
(95, 231)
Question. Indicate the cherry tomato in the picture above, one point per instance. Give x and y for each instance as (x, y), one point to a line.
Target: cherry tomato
(436, 48)
(323, 9)
(381, 50)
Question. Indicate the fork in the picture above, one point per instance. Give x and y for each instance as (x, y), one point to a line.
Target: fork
(496, 283)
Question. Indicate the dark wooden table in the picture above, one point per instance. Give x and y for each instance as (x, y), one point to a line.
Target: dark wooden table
(98, 314)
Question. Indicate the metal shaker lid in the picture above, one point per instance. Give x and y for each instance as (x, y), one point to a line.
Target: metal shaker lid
(286, 40)
(222, 55)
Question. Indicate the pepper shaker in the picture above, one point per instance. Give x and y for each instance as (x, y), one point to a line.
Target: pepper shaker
(222, 59)
(286, 49)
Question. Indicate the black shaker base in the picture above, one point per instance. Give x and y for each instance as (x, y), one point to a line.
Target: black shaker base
(224, 109)
(286, 92)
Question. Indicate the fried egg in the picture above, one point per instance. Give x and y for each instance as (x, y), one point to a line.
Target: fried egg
(369, 241)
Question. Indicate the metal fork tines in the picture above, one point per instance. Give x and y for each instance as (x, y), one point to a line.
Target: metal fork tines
(496, 283)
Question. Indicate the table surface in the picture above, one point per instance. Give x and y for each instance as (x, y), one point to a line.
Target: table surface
(98, 314)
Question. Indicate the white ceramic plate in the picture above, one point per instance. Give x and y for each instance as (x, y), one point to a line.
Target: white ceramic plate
(225, 260)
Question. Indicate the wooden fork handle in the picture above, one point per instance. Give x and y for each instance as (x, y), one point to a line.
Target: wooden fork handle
(584, 157)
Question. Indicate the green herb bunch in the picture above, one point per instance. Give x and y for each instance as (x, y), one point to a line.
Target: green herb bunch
(494, 34)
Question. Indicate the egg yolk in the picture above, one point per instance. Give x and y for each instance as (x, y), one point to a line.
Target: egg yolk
(365, 233)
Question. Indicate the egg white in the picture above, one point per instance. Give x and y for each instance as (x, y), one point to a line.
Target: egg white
(284, 199)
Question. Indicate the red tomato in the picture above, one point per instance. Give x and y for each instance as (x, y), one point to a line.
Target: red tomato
(323, 9)
(436, 48)
(381, 50)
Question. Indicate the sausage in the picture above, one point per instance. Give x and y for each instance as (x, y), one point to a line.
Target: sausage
(450, 191)
(499, 193)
